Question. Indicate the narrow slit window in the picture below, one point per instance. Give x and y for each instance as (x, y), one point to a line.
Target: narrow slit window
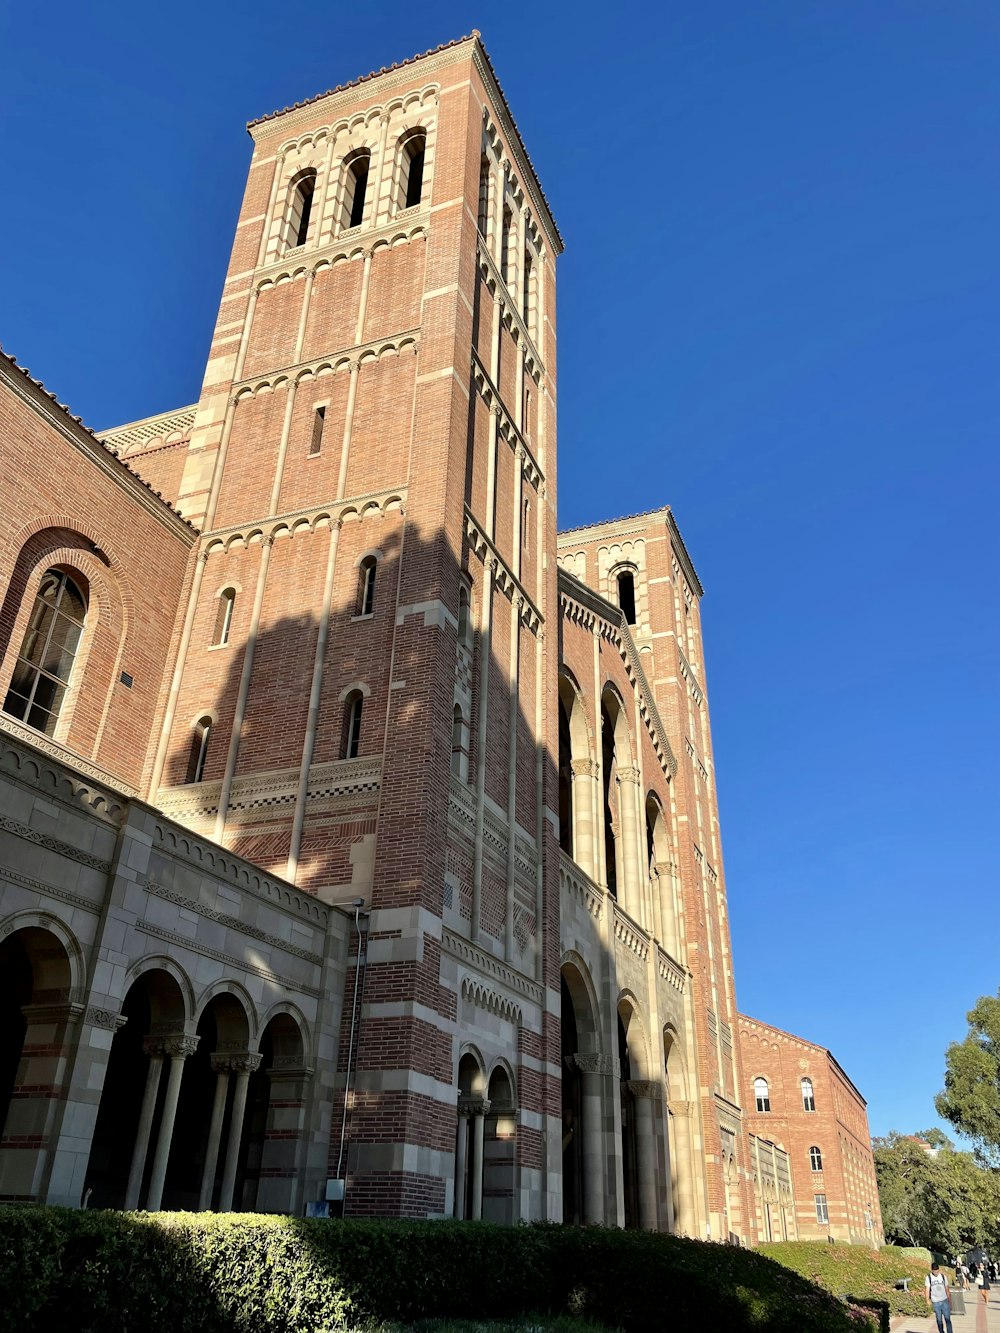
(224, 615)
(484, 195)
(366, 585)
(459, 749)
(198, 753)
(526, 294)
(44, 664)
(352, 724)
(319, 422)
(464, 618)
(808, 1100)
(505, 264)
(626, 596)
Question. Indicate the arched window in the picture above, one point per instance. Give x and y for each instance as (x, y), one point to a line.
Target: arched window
(464, 618)
(224, 615)
(352, 725)
(626, 595)
(355, 189)
(366, 585)
(484, 195)
(411, 169)
(808, 1100)
(44, 664)
(815, 1159)
(300, 202)
(198, 753)
(459, 744)
(761, 1095)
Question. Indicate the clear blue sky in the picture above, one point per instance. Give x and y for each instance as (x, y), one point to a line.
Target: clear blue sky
(779, 310)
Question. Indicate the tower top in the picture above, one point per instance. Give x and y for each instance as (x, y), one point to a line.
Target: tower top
(262, 124)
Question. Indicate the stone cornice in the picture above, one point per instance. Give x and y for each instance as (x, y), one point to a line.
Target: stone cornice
(21, 735)
(361, 241)
(584, 606)
(465, 952)
(506, 579)
(31, 392)
(354, 354)
(352, 507)
(631, 525)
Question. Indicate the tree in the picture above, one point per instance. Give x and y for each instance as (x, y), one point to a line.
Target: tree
(971, 1097)
(943, 1200)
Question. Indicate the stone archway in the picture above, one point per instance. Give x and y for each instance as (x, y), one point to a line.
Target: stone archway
(680, 1164)
(473, 1107)
(135, 1123)
(37, 1014)
(640, 1096)
(500, 1149)
(585, 1075)
(274, 1133)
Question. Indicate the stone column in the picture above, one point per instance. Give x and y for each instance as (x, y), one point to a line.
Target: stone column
(630, 792)
(281, 1158)
(153, 1048)
(586, 797)
(242, 1066)
(595, 1070)
(680, 1125)
(461, 1160)
(178, 1048)
(646, 1093)
(221, 1065)
(479, 1113)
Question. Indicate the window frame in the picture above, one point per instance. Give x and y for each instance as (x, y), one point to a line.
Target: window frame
(815, 1158)
(367, 575)
(353, 714)
(808, 1098)
(224, 617)
(37, 672)
(762, 1101)
(822, 1209)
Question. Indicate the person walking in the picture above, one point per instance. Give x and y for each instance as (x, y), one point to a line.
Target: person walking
(984, 1283)
(939, 1298)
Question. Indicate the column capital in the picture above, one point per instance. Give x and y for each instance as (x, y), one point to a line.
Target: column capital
(645, 1088)
(105, 1018)
(179, 1048)
(628, 775)
(583, 768)
(680, 1110)
(471, 1105)
(593, 1063)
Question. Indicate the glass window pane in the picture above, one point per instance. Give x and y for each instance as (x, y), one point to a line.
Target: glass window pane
(63, 641)
(38, 632)
(16, 704)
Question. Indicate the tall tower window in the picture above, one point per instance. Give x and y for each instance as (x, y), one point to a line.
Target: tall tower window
(198, 753)
(224, 615)
(319, 422)
(411, 169)
(300, 203)
(356, 188)
(44, 664)
(626, 595)
(527, 288)
(815, 1159)
(808, 1100)
(483, 217)
(464, 618)
(352, 725)
(366, 585)
(761, 1094)
(505, 230)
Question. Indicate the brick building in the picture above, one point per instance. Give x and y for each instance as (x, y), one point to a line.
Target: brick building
(797, 1096)
(364, 846)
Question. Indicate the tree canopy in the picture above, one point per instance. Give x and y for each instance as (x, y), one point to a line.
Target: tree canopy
(971, 1097)
(943, 1200)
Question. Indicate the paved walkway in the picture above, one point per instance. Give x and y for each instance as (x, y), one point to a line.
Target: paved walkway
(978, 1318)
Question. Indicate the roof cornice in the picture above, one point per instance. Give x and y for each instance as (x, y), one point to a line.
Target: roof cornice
(633, 523)
(33, 393)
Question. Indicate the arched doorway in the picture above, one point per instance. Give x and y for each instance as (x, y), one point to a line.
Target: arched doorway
(584, 1074)
(641, 1098)
(470, 1137)
(577, 780)
(629, 1141)
(663, 887)
(270, 1164)
(36, 1016)
(500, 1149)
(135, 1123)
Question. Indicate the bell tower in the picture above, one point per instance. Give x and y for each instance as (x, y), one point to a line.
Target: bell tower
(358, 699)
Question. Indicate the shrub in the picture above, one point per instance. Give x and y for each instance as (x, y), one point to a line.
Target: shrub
(236, 1273)
(856, 1269)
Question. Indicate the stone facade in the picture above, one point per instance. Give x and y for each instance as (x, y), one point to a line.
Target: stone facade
(816, 1114)
(363, 846)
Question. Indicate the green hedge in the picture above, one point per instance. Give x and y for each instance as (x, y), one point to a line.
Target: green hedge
(857, 1269)
(237, 1273)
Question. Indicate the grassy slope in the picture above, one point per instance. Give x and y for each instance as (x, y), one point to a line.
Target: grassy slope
(856, 1270)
